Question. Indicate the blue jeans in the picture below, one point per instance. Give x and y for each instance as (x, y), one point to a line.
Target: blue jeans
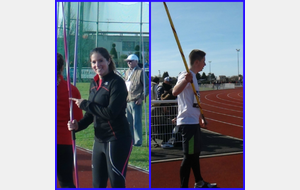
(134, 117)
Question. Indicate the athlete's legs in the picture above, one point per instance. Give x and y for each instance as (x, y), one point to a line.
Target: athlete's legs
(191, 148)
(99, 166)
(117, 156)
(188, 162)
(65, 166)
(196, 166)
(185, 172)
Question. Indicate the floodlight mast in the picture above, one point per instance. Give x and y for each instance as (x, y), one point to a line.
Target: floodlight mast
(209, 71)
(238, 50)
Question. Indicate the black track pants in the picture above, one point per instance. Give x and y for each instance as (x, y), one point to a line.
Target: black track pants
(189, 161)
(110, 160)
(65, 166)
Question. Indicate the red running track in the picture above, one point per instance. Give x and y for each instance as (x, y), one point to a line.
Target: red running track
(224, 113)
(135, 178)
(226, 171)
(223, 110)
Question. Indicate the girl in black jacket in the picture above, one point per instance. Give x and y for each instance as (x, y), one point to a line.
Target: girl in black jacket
(106, 108)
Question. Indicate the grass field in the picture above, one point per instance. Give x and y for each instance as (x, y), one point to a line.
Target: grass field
(139, 156)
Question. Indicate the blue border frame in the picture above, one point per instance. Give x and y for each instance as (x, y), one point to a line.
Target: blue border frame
(244, 85)
(244, 81)
(55, 93)
(149, 96)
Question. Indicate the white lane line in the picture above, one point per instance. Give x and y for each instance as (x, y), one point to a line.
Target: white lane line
(221, 108)
(224, 122)
(228, 100)
(228, 95)
(204, 156)
(209, 131)
(222, 114)
(240, 95)
(222, 103)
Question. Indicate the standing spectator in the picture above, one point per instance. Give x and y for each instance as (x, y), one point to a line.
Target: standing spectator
(165, 86)
(114, 54)
(64, 140)
(154, 84)
(106, 109)
(188, 119)
(146, 64)
(134, 78)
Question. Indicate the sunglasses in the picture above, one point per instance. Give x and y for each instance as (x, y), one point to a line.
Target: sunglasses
(130, 61)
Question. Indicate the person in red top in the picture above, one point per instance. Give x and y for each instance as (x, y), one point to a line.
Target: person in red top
(64, 138)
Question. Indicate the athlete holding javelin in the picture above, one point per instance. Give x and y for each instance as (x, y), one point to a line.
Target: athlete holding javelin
(64, 140)
(188, 119)
(106, 108)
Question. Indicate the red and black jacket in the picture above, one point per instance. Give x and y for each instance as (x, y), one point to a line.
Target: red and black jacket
(106, 108)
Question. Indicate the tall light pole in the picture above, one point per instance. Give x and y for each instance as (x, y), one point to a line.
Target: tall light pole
(209, 71)
(238, 50)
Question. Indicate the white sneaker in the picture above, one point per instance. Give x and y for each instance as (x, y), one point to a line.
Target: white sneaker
(203, 184)
(171, 140)
(175, 129)
(167, 145)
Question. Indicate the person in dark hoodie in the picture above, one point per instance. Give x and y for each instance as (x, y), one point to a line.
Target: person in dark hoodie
(105, 108)
(163, 87)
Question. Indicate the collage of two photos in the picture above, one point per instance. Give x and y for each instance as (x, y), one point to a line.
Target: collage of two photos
(149, 95)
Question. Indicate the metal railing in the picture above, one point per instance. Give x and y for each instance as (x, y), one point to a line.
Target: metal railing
(163, 115)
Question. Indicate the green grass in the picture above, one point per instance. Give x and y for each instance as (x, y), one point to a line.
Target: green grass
(204, 89)
(139, 156)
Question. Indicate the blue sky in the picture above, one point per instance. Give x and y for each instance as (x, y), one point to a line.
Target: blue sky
(214, 27)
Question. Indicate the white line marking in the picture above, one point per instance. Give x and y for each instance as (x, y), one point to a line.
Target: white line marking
(204, 156)
(209, 131)
(222, 103)
(222, 108)
(224, 122)
(228, 100)
(223, 114)
(114, 168)
(232, 97)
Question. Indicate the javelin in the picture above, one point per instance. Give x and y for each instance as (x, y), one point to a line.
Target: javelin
(183, 58)
(69, 86)
(120, 75)
(144, 73)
